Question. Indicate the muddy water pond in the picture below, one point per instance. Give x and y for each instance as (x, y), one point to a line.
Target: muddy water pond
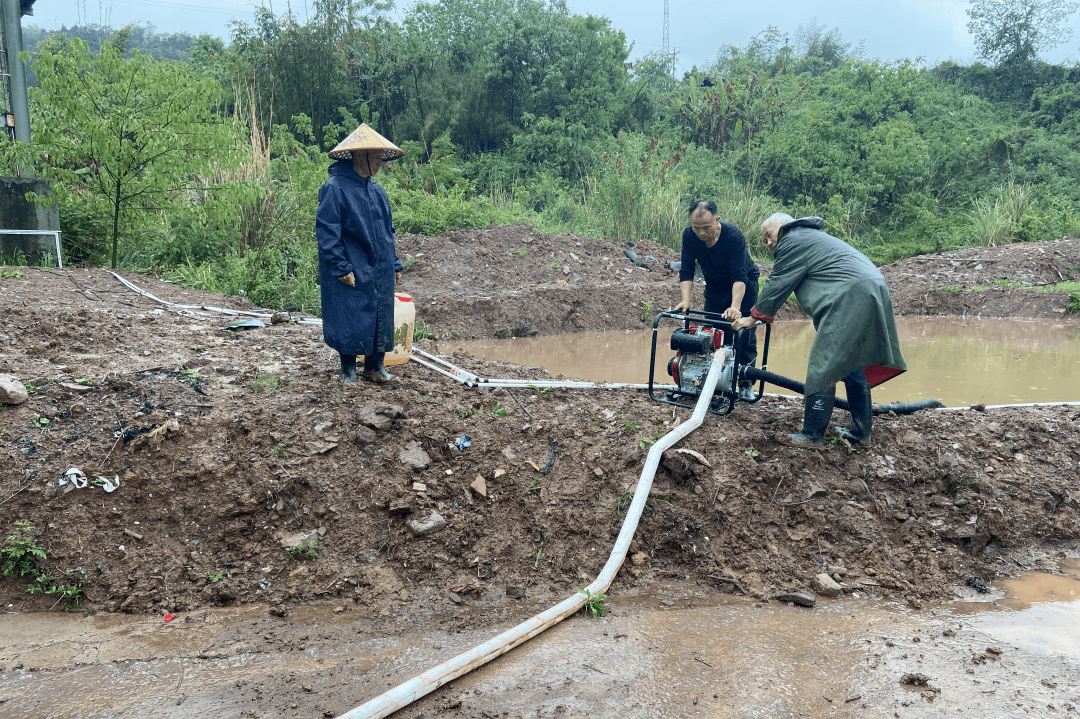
(680, 651)
(960, 363)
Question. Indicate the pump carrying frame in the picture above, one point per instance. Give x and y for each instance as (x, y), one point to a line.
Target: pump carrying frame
(726, 397)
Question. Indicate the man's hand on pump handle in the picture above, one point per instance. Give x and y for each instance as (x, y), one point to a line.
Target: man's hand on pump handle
(731, 314)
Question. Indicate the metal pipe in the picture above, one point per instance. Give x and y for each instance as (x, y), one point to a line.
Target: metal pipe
(20, 105)
(421, 685)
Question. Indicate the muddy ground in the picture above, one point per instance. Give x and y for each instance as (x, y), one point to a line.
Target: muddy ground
(230, 446)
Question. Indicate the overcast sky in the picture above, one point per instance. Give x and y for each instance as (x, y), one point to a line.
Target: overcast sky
(889, 29)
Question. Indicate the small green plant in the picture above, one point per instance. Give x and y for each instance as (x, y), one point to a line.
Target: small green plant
(468, 412)
(30, 387)
(11, 273)
(952, 289)
(19, 555)
(215, 577)
(523, 251)
(646, 312)
(502, 333)
(304, 550)
(1074, 303)
(84, 382)
(40, 421)
(406, 264)
(594, 603)
(555, 264)
(629, 428)
(197, 348)
(751, 453)
(501, 412)
(190, 375)
(279, 451)
(267, 383)
(423, 331)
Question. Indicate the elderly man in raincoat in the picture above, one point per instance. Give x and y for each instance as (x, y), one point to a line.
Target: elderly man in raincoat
(848, 299)
(358, 266)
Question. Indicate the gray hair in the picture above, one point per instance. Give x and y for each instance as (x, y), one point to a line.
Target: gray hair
(777, 218)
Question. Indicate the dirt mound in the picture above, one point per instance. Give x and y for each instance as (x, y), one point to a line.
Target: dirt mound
(232, 446)
(992, 281)
(515, 281)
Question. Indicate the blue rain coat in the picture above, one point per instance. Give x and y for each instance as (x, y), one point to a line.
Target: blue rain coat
(356, 234)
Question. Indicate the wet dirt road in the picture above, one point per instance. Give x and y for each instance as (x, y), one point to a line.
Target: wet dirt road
(678, 653)
(960, 363)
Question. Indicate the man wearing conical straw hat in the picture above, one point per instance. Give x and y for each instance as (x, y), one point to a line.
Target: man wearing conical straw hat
(357, 262)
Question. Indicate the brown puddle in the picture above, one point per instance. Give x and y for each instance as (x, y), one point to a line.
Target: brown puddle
(1044, 616)
(678, 652)
(959, 363)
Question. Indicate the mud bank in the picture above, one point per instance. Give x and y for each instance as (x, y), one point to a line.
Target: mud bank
(230, 446)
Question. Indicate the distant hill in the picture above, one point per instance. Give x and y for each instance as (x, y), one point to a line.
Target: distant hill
(162, 46)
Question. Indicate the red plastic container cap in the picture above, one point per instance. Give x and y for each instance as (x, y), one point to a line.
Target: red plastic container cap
(168, 617)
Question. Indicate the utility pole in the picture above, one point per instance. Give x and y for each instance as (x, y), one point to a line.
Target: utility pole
(666, 49)
(11, 18)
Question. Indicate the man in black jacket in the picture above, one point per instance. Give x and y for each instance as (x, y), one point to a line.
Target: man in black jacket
(731, 277)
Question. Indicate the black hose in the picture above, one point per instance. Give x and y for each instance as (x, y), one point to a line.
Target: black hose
(795, 386)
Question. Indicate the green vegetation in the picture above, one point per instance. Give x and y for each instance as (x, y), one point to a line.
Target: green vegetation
(267, 383)
(304, 550)
(594, 603)
(203, 159)
(214, 577)
(21, 557)
(11, 273)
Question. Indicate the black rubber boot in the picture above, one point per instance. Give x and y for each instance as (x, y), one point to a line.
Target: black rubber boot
(374, 369)
(818, 410)
(348, 368)
(862, 409)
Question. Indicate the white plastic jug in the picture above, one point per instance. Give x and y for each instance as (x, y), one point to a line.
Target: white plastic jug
(404, 324)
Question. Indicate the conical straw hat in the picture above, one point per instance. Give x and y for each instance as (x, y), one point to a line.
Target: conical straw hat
(364, 138)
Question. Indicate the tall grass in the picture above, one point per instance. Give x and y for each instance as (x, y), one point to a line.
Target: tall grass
(998, 218)
(629, 200)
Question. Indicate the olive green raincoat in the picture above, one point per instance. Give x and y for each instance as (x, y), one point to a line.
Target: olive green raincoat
(844, 293)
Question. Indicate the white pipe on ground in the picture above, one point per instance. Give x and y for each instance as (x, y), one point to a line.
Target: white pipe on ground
(419, 686)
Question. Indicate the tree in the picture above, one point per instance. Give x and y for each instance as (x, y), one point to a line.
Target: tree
(126, 129)
(1012, 32)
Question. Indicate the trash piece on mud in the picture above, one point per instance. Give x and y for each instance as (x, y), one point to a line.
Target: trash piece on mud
(509, 453)
(475, 589)
(134, 535)
(455, 598)
(816, 491)
(75, 476)
(109, 485)
(980, 407)
(280, 318)
(319, 447)
(598, 472)
(248, 324)
(279, 611)
(696, 455)
(413, 455)
(533, 464)
(419, 487)
(825, 586)
(158, 434)
(803, 599)
(515, 592)
(499, 471)
(479, 485)
(639, 558)
(429, 525)
(463, 442)
(12, 391)
(552, 454)
(76, 388)
(168, 617)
